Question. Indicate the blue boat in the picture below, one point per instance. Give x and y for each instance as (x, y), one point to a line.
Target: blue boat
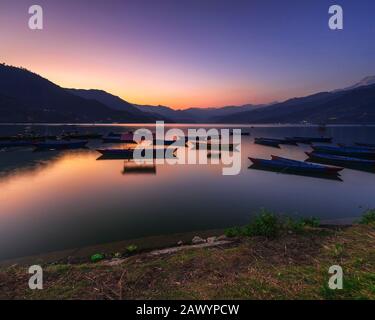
(119, 138)
(127, 153)
(347, 162)
(362, 153)
(267, 142)
(60, 145)
(13, 144)
(309, 140)
(274, 142)
(288, 165)
(368, 145)
(215, 146)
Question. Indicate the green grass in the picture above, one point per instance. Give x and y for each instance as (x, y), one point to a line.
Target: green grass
(292, 266)
(270, 225)
(368, 217)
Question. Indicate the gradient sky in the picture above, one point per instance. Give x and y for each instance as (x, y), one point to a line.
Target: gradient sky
(193, 53)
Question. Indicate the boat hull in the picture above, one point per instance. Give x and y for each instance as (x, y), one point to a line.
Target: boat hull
(295, 166)
(347, 152)
(60, 145)
(347, 162)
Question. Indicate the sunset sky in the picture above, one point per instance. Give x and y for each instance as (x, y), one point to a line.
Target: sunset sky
(192, 53)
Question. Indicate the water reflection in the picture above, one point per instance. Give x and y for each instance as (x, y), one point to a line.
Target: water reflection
(130, 167)
(58, 200)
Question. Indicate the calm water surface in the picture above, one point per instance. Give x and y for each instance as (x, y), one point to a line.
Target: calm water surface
(59, 200)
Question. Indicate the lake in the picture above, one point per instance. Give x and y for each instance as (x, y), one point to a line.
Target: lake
(59, 200)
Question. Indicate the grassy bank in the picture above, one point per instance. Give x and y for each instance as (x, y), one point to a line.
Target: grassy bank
(268, 259)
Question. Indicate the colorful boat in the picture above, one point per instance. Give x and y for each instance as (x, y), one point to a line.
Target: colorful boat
(363, 153)
(368, 145)
(356, 147)
(289, 165)
(60, 144)
(116, 152)
(215, 146)
(118, 138)
(13, 144)
(129, 153)
(267, 142)
(347, 162)
(309, 140)
(80, 136)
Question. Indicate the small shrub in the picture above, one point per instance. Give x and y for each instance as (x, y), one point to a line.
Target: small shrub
(97, 257)
(368, 217)
(233, 232)
(131, 248)
(311, 222)
(265, 224)
(298, 225)
(291, 224)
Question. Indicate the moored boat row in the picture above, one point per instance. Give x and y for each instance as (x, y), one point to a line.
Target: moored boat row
(355, 152)
(294, 166)
(347, 162)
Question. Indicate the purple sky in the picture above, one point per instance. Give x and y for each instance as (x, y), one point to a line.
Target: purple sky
(188, 53)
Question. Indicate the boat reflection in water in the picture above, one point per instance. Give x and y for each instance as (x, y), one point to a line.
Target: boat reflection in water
(131, 167)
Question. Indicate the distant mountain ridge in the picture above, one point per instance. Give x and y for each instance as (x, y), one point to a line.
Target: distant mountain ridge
(196, 114)
(28, 97)
(367, 81)
(341, 107)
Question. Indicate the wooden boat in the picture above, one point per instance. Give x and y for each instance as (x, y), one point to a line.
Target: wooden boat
(347, 162)
(80, 136)
(214, 146)
(267, 142)
(116, 152)
(134, 168)
(310, 140)
(242, 133)
(60, 144)
(288, 165)
(368, 145)
(129, 153)
(112, 140)
(27, 137)
(178, 142)
(114, 134)
(356, 147)
(278, 141)
(325, 169)
(363, 153)
(118, 138)
(13, 144)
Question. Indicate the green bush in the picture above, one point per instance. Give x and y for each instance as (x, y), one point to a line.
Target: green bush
(265, 224)
(268, 224)
(311, 222)
(368, 217)
(298, 225)
(233, 232)
(131, 248)
(97, 257)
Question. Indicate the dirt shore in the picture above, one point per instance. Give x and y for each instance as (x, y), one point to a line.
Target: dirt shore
(291, 266)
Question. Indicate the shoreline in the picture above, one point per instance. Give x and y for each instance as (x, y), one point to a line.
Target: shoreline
(144, 244)
(294, 265)
(82, 254)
